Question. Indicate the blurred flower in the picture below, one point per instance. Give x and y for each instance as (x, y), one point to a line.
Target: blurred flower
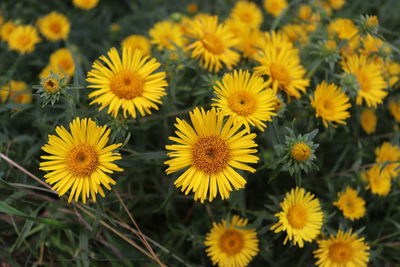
(394, 108)
(115, 27)
(62, 61)
(368, 24)
(16, 91)
(296, 33)
(392, 72)
(246, 98)
(352, 206)
(213, 44)
(379, 181)
(231, 243)
(369, 78)
(80, 159)
(192, 8)
(54, 26)
(331, 104)
(85, 4)
(237, 28)
(48, 69)
(248, 13)
(167, 35)
(310, 19)
(344, 249)
(275, 7)
(371, 44)
(23, 39)
(137, 42)
(250, 43)
(368, 120)
(6, 29)
(389, 152)
(210, 150)
(336, 4)
(301, 217)
(345, 29)
(129, 83)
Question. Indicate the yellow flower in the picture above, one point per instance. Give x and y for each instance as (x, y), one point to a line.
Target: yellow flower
(250, 43)
(337, 4)
(17, 92)
(245, 98)
(352, 206)
(248, 13)
(80, 159)
(344, 249)
(62, 61)
(6, 29)
(280, 61)
(300, 151)
(392, 72)
(213, 44)
(54, 26)
(209, 151)
(296, 33)
(394, 108)
(330, 45)
(371, 44)
(369, 78)
(129, 83)
(48, 69)
(345, 29)
(310, 19)
(389, 152)
(237, 28)
(275, 7)
(379, 181)
(115, 27)
(368, 120)
(167, 35)
(331, 104)
(192, 8)
(301, 217)
(231, 244)
(23, 39)
(85, 4)
(50, 85)
(372, 21)
(137, 42)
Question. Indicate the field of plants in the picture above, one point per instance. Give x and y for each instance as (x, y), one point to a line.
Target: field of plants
(200, 133)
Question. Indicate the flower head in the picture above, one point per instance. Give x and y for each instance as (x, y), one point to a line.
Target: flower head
(209, 150)
(167, 35)
(80, 160)
(368, 120)
(352, 206)
(394, 108)
(16, 91)
(379, 181)
(6, 29)
(336, 4)
(85, 4)
(389, 153)
(137, 42)
(54, 26)
(301, 217)
(62, 61)
(23, 39)
(228, 244)
(275, 7)
(128, 83)
(248, 13)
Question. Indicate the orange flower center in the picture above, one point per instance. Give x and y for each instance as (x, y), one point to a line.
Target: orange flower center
(24, 40)
(210, 154)
(66, 63)
(231, 242)
(301, 152)
(55, 27)
(82, 160)
(51, 85)
(364, 81)
(297, 216)
(340, 252)
(242, 103)
(280, 73)
(213, 44)
(127, 84)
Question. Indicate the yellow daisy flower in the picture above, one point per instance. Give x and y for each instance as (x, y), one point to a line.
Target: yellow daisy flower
(248, 13)
(275, 7)
(167, 35)
(137, 42)
(250, 43)
(129, 83)
(245, 98)
(301, 217)
(80, 159)
(282, 65)
(352, 206)
(331, 104)
(62, 61)
(11, 91)
(85, 4)
(379, 181)
(213, 44)
(369, 77)
(237, 28)
(389, 152)
(371, 44)
(209, 151)
(231, 244)
(337, 4)
(394, 108)
(54, 26)
(368, 120)
(23, 39)
(344, 249)
(345, 29)
(296, 33)
(6, 29)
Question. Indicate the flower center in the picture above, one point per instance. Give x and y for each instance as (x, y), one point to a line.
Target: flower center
(280, 73)
(24, 40)
(297, 216)
(127, 84)
(82, 160)
(242, 103)
(65, 63)
(210, 154)
(245, 17)
(213, 44)
(51, 85)
(340, 252)
(55, 27)
(364, 81)
(231, 242)
(301, 152)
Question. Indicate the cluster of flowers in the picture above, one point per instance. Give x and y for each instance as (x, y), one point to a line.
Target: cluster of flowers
(219, 141)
